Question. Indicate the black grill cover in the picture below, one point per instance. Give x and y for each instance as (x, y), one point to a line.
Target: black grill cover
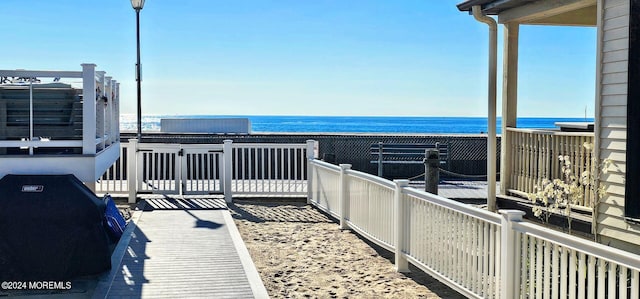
(51, 228)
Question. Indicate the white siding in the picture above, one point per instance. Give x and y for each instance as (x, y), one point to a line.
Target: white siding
(613, 121)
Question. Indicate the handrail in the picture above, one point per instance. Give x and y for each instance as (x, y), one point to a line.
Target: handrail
(550, 132)
(51, 74)
(454, 205)
(598, 250)
(40, 143)
(269, 145)
(324, 164)
(371, 178)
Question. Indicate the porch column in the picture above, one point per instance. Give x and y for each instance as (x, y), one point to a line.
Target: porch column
(509, 101)
(491, 99)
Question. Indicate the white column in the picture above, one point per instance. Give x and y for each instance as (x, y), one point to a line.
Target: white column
(132, 172)
(108, 114)
(491, 118)
(343, 196)
(88, 108)
(402, 265)
(100, 109)
(509, 263)
(311, 154)
(116, 103)
(112, 106)
(227, 170)
(509, 101)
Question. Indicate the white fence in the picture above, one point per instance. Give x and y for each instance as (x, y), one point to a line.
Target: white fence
(256, 169)
(534, 157)
(269, 168)
(100, 121)
(478, 253)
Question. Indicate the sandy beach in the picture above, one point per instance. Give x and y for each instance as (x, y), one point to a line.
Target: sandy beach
(302, 253)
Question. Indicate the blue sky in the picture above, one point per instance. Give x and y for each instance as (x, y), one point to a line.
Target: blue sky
(291, 57)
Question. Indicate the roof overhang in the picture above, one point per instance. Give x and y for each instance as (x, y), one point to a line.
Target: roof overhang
(538, 12)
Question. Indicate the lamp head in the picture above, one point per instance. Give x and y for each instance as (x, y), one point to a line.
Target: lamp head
(137, 4)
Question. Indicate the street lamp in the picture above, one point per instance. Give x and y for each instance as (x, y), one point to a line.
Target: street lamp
(137, 5)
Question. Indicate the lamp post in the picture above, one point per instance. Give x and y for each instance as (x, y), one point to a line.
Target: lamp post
(137, 5)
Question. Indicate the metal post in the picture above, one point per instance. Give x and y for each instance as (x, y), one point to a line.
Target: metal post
(139, 75)
(431, 170)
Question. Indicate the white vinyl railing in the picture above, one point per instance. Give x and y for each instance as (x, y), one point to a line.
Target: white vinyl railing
(269, 168)
(370, 207)
(449, 239)
(478, 253)
(324, 191)
(273, 169)
(100, 124)
(114, 180)
(534, 157)
(556, 265)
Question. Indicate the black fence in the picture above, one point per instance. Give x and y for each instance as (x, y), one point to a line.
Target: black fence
(467, 153)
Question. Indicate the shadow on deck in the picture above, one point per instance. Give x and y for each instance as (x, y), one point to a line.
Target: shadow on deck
(182, 247)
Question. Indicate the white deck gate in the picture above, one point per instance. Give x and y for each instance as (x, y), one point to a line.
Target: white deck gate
(257, 169)
(478, 253)
(158, 168)
(202, 168)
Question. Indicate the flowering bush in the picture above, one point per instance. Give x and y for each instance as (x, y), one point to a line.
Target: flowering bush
(558, 195)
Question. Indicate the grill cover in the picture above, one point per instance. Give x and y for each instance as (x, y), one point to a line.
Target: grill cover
(51, 228)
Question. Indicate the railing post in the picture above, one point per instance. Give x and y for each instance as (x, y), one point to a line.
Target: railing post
(100, 109)
(227, 154)
(88, 109)
(311, 154)
(380, 159)
(509, 264)
(402, 265)
(116, 102)
(431, 170)
(132, 173)
(343, 196)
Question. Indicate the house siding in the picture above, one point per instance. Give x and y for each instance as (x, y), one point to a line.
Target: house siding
(612, 227)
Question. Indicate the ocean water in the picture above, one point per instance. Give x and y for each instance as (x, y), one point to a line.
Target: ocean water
(357, 124)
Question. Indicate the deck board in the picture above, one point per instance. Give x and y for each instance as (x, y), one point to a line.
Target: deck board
(182, 249)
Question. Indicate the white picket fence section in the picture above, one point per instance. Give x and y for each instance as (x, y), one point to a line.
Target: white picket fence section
(556, 265)
(478, 253)
(256, 169)
(326, 187)
(114, 180)
(272, 168)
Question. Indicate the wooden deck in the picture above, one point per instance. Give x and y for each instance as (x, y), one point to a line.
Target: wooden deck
(182, 247)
